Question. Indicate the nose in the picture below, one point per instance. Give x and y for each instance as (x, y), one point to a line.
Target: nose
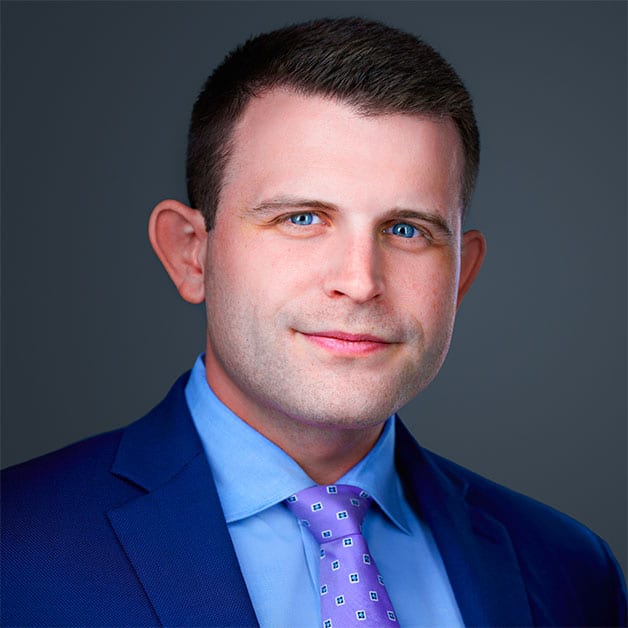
(354, 270)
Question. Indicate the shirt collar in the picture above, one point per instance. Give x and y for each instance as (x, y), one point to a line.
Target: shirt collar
(252, 473)
(376, 474)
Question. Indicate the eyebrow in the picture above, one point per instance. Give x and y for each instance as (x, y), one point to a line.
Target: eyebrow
(294, 202)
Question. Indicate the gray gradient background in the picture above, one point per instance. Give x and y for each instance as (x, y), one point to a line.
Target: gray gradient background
(95, 99)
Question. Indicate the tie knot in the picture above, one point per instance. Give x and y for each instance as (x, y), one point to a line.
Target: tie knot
(331, 511)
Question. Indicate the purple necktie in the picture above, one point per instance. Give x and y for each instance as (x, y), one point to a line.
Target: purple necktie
(351, 590)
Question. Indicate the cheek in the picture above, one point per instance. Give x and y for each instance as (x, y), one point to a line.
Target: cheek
(234, 259)
(254, 274)
(429, 291)
(274, 266)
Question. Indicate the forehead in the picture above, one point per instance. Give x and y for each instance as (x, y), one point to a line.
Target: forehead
(284, 140)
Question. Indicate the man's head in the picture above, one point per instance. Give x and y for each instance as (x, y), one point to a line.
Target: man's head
(336, 258)
(372, 67)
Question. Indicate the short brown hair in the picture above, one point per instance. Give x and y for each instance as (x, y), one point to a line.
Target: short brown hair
(371, 66)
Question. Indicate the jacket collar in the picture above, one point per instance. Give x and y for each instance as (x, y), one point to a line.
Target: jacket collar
(174, 532)
(476, 549)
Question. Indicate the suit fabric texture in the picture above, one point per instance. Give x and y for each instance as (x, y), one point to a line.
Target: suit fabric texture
(126, 529)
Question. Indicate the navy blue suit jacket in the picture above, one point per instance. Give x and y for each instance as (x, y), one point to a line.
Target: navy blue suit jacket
(126, 529)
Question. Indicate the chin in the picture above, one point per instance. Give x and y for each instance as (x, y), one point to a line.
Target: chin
(349, 409)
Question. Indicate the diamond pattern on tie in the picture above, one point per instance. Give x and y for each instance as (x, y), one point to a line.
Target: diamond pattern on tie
(352, 591)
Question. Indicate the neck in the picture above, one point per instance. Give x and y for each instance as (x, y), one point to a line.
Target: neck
(325, 449)
(325, 454)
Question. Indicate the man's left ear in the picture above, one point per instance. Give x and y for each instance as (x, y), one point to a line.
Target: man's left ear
(178, 236)
(471, 258)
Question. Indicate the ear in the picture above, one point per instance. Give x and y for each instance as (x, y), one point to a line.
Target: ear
(471, 258)
(178, 236)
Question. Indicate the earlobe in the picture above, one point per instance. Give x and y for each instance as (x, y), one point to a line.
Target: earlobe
(178, 236)
(471, 258)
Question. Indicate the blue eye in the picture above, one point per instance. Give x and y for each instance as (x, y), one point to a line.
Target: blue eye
(306, 218)
(404, 230)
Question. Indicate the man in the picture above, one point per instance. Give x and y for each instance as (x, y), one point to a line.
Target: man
(329, 166)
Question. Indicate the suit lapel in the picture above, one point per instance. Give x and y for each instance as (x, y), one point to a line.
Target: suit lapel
(174, 532)
(476, 549)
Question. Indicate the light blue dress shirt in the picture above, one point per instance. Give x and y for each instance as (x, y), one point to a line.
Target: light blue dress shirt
(279, 558)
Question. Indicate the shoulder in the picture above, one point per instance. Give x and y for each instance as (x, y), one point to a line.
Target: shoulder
(91, 452)
(565, 569)
(86, 473)
(61, 557)
(524, 516)
(56, 538)
(63, 479)
(554, 551)
(60, 500)
(526, 519)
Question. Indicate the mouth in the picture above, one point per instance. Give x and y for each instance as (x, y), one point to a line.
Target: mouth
(344, 343)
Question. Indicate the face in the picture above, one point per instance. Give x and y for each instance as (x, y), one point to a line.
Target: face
(332, 271)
